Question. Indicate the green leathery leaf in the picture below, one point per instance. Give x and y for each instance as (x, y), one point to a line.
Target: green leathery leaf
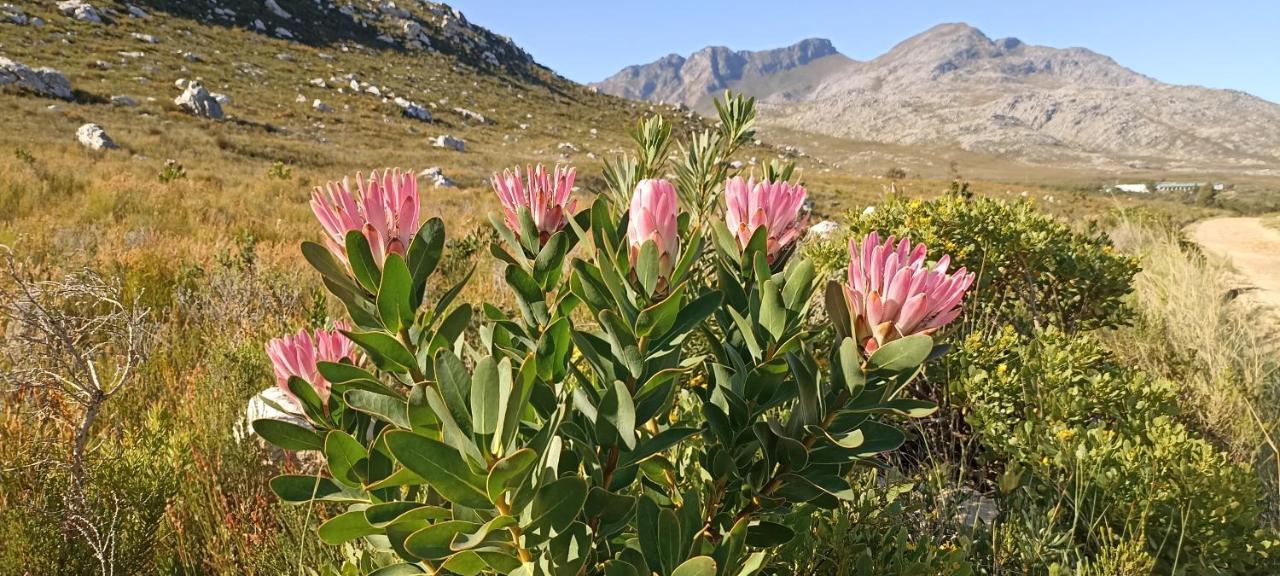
(556, 505)
(546, 267)
(838, 310)
(617, 410)
(433, 542)
(901, 355)
(385, 350)
(669, 540)
(346, 457)
(327, 265)
(848, 362)
(363, 266)
(424, 254)
(465, 540)
(508, 473)
(766, 534)
(387, 408)
(440, 465)
(660, 317)
(288, 435)
(696, 566)
(647, 266)
(298, 489)
(658, 443)
(485, 392)
(799, 285)
(454, 384)
(773, 315)
(394, 305)
(346, 526)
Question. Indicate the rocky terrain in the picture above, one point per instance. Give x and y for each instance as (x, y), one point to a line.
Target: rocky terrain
(953, 85)
(695, 81)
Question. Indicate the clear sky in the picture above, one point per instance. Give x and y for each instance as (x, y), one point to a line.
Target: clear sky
(1218, 43)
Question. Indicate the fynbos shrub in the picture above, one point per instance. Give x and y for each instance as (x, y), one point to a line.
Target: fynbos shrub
(578, 433)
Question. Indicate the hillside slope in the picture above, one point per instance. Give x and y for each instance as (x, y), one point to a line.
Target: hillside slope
(325, 88)
(953, 85)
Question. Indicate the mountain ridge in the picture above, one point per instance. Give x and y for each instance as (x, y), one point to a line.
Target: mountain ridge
(953, 85)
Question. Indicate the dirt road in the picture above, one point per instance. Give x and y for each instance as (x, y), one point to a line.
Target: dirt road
(1252, 247)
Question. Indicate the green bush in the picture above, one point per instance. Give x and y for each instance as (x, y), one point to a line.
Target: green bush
(1074, 429)
(1033, 270)
(893, 525)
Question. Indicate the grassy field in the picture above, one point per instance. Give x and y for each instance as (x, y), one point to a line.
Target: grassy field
(213, 255)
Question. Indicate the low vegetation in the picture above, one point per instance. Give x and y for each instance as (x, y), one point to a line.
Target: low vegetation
(1106, 404)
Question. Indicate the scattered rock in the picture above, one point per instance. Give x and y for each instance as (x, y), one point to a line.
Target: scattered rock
(319, 83)
(137, 12)
(43, 81)
(149, 39)
(222, 99)
(566, 147)
(284, 32)
(196, 100)
(277, 10)
(132, 54)
(470, 115)
(448, 141)
(823, 229)
(92, 136)
(80, 10)
(412, 109)
(192, 57)
(13, 14)
(436, 175)
(123, 101)
(320, 106)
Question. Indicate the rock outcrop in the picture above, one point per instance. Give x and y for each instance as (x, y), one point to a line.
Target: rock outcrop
(448, 141)
(197, 100)
(43, 81)
(80, 10)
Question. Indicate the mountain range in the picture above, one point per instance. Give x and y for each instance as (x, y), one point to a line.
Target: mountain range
(953, 86)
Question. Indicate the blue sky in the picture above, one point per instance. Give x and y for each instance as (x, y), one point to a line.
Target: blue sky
(1221, 44)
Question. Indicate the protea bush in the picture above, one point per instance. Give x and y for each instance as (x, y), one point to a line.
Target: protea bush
(583, 431)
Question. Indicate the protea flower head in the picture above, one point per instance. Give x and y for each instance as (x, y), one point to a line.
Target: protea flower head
(384, 208)
(654, 210)
(778, 206)
(297, 355)
(893, 293)
(545, 194)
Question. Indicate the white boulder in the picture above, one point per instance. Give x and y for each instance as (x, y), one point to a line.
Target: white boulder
(196, 100)
(80, 10)
(92, 136)
(823, 229)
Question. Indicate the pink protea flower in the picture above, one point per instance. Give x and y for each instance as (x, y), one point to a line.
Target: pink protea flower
(654, 210)
(778, 206)
(297, 355)
(384, 208)
(545, 194)
(892, 292)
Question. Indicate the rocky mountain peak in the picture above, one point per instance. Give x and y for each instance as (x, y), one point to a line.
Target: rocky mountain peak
(954, 84)
(711, 70)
